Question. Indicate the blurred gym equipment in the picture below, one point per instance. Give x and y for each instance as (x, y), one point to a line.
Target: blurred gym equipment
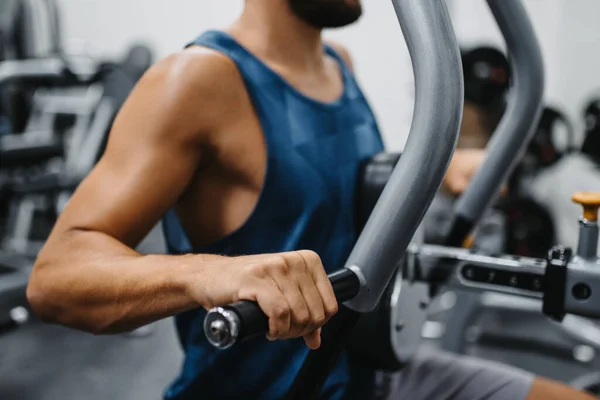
(554, 138)
(530, 228)
(137, 61)
(68, 105)
(591, 143)
(487, 78)
(29, 29)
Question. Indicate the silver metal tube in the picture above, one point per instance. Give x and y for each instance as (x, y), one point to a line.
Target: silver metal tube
(433, 136)
(522, 116)
(588, 239)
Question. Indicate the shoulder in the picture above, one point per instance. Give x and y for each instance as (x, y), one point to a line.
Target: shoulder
(195, 73)
(190, 91)
(342, 51)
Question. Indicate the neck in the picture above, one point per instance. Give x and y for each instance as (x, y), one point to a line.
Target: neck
(277, 35)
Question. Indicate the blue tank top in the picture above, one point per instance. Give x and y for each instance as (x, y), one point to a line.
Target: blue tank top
(307, 202)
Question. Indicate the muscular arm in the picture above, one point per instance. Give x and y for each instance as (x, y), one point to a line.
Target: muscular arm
(88, 276)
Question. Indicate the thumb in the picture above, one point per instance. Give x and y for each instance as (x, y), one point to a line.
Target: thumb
(313, 339)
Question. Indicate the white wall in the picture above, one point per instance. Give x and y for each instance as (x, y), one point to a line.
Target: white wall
(568, 32)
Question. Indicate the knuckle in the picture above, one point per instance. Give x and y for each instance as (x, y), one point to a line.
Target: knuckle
(279, 263)
(259, 270)
(302, 263)
(319, 320)
(293, 257)
(280, 259)
(274, 333)
(303, 318)
(310, 257)
(331, 309)
(283, 267)
(281, 311)
(314, 263)
(313, 256)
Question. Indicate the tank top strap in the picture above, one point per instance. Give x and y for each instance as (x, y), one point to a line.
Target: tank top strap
(221, 41)
(350, 84)
(338, 58)
(252, 69)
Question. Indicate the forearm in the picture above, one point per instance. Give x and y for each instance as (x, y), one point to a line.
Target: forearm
(90, 281)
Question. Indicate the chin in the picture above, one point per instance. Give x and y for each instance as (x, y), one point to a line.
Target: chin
(324, 14)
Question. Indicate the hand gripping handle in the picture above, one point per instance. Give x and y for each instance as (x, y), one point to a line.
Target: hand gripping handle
(226, 326)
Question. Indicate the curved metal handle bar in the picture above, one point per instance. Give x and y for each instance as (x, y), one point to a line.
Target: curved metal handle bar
(518, 124)
(433, 137)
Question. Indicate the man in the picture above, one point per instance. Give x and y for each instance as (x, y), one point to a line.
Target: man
(247, 142)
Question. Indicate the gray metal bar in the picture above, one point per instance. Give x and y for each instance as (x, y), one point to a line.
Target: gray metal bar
(522, 116)
(429, 263)
(519, 276)
(433, 136)
(53, 68)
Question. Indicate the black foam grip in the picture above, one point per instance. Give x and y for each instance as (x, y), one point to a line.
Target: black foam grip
(253, 321)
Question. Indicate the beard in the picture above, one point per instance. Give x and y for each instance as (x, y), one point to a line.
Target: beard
(324, 14)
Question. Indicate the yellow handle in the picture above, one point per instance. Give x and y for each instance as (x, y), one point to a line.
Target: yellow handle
(469, 242)
(590, 201)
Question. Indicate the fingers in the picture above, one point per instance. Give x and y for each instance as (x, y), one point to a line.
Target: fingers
(273, 304)
(300, 273)
(312, 297)
(291, 289)
(313, 339)
(294, 292)
(322, 283)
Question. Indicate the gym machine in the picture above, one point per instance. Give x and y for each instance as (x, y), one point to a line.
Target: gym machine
(85, 92)
(18, 152)
(565, 282)
(33, 59)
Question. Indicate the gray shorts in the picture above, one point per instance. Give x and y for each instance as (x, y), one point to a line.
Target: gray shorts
(436, 375)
